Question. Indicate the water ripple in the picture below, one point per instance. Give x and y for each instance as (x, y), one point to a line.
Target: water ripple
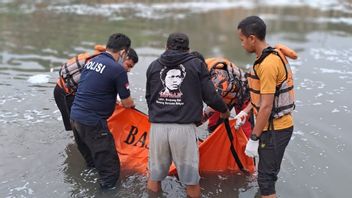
(118, 11)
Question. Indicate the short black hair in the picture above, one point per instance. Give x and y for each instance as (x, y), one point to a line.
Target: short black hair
(253, 25)
(198, 55)
(118, 41)
(132, 54)
(178, 41)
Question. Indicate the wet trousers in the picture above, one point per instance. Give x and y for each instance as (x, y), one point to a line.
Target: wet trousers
(96, 144)
(272, 145)
(64, 102)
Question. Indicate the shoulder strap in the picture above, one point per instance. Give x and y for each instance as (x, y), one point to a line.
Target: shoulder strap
(232, 147)
(264, 54)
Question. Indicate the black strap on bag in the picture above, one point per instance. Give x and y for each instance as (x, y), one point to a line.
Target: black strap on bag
(232, 147)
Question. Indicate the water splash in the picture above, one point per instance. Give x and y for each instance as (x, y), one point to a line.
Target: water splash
(39, 79)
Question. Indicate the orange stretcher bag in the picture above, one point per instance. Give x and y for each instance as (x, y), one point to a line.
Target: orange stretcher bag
(130, 129)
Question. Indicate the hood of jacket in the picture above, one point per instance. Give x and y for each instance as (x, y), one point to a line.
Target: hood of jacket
(171, 58)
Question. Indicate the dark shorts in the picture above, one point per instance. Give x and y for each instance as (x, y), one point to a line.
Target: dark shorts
(64, 102)
(272, 146)
(96, 144)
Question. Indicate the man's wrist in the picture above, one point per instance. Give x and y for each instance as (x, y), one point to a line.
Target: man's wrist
(254, 137)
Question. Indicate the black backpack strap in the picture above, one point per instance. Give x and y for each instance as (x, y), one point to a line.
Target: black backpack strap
(283, 62)
(65, 67)
(79, 66)
(264, 54)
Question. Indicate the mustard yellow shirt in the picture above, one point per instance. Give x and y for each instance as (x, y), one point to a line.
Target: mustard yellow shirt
(271, 72)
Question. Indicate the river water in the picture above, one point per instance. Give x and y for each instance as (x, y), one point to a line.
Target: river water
(39, 159)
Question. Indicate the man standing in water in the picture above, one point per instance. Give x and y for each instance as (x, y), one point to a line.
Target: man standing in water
(272, 100)
(64, 96)
(173, 113)
(101, 80)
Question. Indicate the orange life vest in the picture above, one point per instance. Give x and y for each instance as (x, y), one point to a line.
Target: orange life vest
(229, 81)
(284, 101)
(70, 72)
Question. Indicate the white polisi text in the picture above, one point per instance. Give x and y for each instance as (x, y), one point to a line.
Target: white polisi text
(98, 67)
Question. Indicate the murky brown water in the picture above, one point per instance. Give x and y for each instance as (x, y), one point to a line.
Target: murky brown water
(39, 159)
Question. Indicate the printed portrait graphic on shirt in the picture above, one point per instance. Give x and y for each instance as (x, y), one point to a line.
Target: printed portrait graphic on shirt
(172, 78)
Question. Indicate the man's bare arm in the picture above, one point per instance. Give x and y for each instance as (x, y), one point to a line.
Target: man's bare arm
(266, 106)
